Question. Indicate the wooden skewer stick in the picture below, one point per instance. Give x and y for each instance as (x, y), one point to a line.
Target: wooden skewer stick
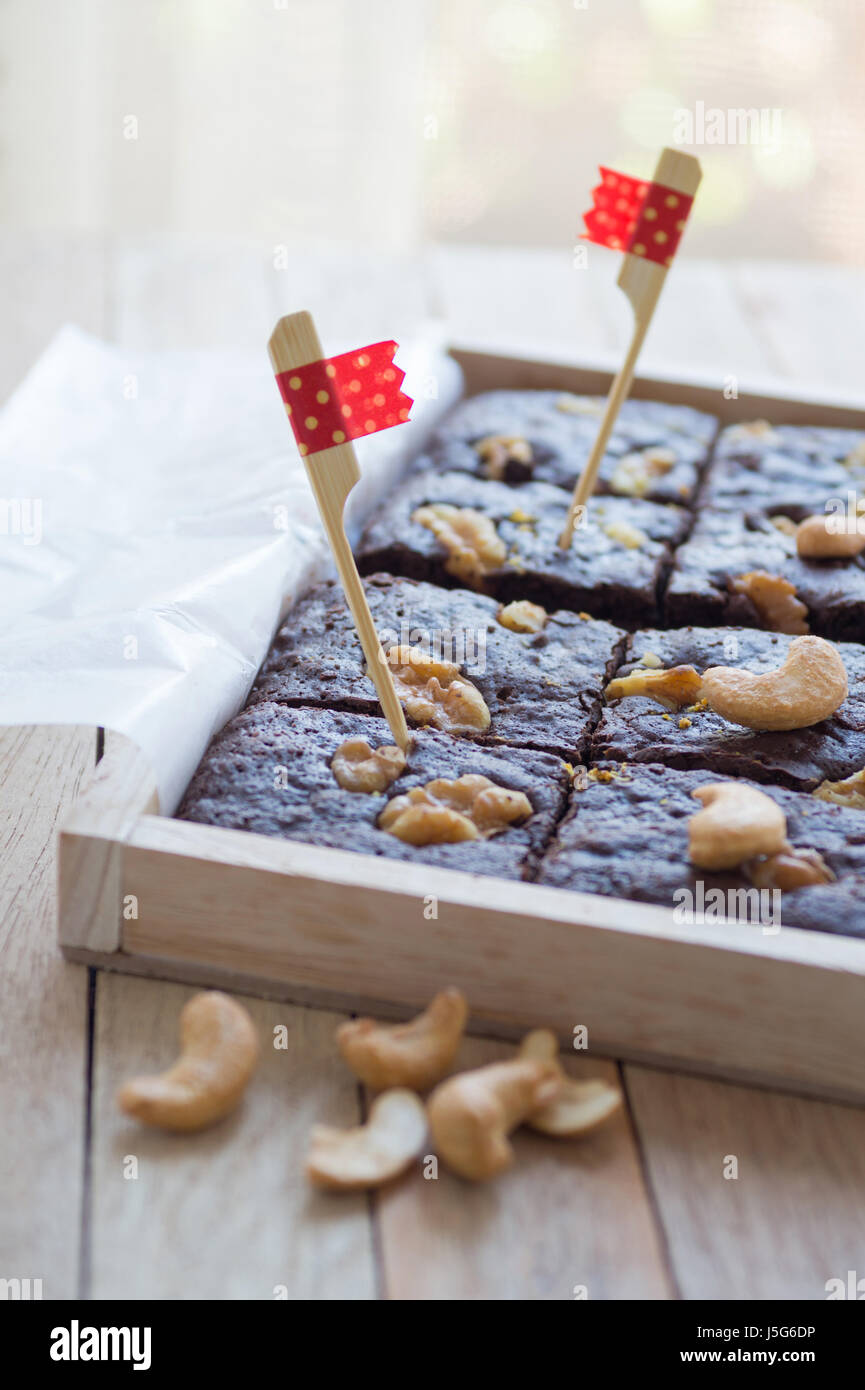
(333, 473)
(642, 281)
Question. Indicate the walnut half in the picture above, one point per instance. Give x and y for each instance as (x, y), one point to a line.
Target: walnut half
(496, 451)
(523, 616)
(623, 533)
(434, 692)
(775, 600)
(359, 768)
(848, 792)
(790, 869)
(447, 812)
(636, 472)
(673, 688)
(474, 546)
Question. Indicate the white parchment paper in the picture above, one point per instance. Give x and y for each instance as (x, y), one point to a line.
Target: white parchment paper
(155, 521)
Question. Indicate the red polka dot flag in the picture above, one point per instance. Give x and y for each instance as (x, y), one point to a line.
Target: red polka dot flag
(643, 219)
(344, 397)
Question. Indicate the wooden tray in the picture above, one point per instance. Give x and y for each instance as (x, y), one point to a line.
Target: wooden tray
(151, 895)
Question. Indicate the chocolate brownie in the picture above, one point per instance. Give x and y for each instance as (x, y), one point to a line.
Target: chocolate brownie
(786, 470)
(543, 689)
(269, 772)
(626, 836)
(546, 436)
(613, 569)
(723, 546)
(637, 729)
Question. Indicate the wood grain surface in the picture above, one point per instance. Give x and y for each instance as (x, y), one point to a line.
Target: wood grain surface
(551, 1228)
(225, 1213)
(44, 1024)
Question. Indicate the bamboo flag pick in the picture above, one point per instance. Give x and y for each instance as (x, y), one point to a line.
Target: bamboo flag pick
(645, 220)
(330, 401)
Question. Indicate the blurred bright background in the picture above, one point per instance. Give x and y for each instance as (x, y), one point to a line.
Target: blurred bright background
(392, 125)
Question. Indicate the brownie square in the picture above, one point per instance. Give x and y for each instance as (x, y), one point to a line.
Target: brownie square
(637, 729)
(269, 772)
(543, 689)
(555, 431)
(614, 568)
(626, 836)
(786, 470)
(726, 545)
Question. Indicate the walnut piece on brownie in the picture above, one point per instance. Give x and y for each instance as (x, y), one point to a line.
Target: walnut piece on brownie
(270, 771)
(359, 768)
(742, 570)
(444, 812)
(656, 451)
(542, 688)
(614, 569)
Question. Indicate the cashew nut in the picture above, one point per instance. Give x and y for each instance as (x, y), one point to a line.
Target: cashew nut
(736, 824)
(808, 687)
(820, 538)
(472, 1114)
(218, 1053)
(368, 1155)
(580, 1106)
(415, 1054)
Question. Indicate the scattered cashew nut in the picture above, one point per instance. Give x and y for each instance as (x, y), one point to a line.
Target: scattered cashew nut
(580, 1106)
(820, 538)
(472, 1114)
(369, 1155)
(808, 687)
(737, 823)
(218, 1053)
(415, 1054)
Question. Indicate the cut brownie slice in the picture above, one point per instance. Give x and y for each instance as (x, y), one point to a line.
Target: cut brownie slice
(656, 451)
(269, 772)
(637, 729)
(706, 586)
(619, 557)
(543, 689)
(626, 836)
(786, 470)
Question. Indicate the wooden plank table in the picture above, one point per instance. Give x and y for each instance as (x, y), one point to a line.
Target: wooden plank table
(97, 1207)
